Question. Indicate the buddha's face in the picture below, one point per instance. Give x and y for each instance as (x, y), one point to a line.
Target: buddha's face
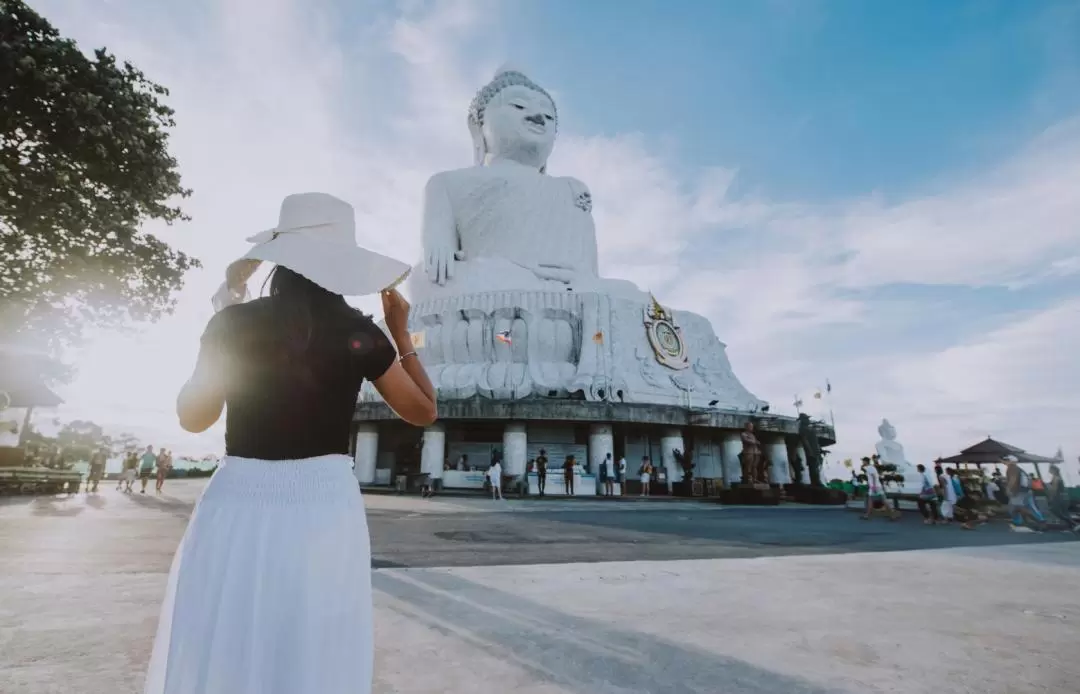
(519, 124)
(887, 431)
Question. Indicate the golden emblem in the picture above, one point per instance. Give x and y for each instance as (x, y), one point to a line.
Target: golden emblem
(665, 336)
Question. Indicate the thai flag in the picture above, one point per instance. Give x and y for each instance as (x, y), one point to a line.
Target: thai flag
(503, 336)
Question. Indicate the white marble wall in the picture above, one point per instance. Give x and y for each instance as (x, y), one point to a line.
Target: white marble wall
(433, 453)
(670, 441)
(708, 461)
(367, 452)
(730, 449)
(515, 449)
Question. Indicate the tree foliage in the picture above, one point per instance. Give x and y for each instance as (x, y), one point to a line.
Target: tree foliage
(83, 164)
(77, 440)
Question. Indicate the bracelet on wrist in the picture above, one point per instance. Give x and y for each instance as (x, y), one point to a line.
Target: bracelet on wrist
(407, 354)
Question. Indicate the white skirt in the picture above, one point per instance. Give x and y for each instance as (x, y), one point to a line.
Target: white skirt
(270, 589)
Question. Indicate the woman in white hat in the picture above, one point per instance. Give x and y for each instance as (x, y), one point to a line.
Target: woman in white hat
(270, 590)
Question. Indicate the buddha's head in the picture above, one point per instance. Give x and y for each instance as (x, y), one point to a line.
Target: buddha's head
(512, 117)
(887, 431)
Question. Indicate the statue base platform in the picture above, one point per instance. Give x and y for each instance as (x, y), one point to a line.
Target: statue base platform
(752, 495)
(597, 347)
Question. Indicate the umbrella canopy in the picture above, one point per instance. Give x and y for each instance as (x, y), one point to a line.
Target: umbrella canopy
(991, 451)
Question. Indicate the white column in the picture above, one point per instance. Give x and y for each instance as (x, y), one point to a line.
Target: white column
(779, 472)
(367, 452)
(801, 453)
(433, 454)
(601, 444)
(670, 442)
(729, 456)
(515, 442)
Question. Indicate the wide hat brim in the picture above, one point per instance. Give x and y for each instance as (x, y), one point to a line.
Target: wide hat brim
(341, 268)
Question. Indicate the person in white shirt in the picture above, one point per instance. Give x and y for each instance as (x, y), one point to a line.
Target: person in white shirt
(620, 475)
(948, 492)
(875, 493)
(607, 475)
(495, 475)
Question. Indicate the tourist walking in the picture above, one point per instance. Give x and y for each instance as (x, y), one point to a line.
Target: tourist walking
(270, 590)
(928, 497)
(541, 471)
(147, 463)
(948, 494)
(97, 470)
(127, 475)
(568, 475)
(1021, 498)
(1057, 496)
(646, 475)
(164, 466)
(607, 475)
(875, 493)
(495, 475)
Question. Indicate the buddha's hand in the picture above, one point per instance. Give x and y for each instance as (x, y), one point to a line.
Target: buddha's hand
(553, 273)
(440, 263)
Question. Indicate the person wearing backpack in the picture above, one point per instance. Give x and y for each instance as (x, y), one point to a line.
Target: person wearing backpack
(1021, 498)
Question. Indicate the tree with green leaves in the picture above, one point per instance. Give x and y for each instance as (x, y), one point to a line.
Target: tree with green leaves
(84, 164)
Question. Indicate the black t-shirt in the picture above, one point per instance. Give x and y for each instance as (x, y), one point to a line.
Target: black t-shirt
(284, 401)
(541, 465)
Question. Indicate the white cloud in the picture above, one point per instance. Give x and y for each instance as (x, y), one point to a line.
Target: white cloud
(271, 99)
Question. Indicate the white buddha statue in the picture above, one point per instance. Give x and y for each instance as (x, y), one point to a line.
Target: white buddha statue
(504, 224)
(508, 302)
(890, 450)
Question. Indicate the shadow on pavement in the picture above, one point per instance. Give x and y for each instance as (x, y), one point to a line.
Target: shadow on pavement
(175, 507)
(796, 531)
(577, 654)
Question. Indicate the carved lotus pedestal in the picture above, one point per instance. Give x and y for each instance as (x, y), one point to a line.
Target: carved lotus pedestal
(522, 344)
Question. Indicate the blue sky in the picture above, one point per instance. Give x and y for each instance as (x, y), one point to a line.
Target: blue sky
(882, 194)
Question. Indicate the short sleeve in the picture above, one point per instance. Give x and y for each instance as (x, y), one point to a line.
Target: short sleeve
(217, 330)
(371, 348)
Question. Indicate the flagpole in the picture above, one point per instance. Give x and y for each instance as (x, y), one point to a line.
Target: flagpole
(828, 394)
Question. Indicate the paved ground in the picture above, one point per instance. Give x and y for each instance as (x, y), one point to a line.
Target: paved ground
(586, 597)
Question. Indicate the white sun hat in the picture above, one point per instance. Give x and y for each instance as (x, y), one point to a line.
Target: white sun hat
(316, 237)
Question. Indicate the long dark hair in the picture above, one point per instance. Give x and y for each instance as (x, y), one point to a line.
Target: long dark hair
(305, 305)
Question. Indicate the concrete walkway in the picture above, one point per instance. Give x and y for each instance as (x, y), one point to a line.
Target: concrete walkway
(81, 579)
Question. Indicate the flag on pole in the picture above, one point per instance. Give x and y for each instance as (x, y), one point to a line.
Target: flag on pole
(503, 336)
(798, 402)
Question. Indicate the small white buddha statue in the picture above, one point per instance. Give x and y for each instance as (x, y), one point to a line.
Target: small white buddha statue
(890, 450)
(504, 224)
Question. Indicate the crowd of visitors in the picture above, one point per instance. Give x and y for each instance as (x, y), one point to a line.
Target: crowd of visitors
(948, 496)
(144, 466)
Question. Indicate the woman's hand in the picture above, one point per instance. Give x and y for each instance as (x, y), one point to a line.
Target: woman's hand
(396, 314)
